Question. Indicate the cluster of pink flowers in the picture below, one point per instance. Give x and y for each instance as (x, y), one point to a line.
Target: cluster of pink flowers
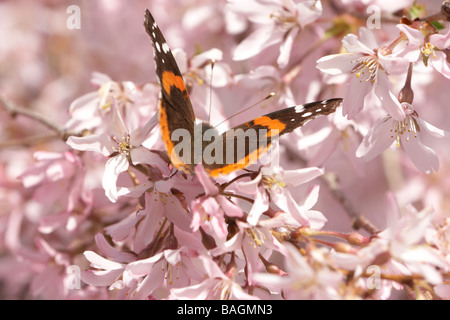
(356, 207)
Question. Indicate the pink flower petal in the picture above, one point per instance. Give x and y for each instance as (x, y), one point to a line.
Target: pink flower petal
(379, 138)
(210, 188)
(142, 267)
(389, 101)
(144, 155)
(440, 63)
(354, 98)
(338, 63)
(423, 157)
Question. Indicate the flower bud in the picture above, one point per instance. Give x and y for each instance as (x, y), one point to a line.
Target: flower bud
(343, 247)
(357, 239)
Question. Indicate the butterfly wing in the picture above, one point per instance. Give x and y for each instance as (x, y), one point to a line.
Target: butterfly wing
(248, 141)
(175, 108)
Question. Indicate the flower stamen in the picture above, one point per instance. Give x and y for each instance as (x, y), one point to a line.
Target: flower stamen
(272, 182)
(124, 145)
(283, 19)
(408, 126)
(428, 49)
(367, 64)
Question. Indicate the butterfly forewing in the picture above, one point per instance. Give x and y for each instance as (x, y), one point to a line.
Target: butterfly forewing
(175, 109)
(173, 87)
(252, 139)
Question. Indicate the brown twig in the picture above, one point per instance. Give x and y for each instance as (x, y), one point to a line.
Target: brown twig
(15, 110)
(358, 221)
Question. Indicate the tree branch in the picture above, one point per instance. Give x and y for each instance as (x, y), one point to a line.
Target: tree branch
(15, 110)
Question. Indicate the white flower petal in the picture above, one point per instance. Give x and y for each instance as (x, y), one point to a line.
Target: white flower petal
(286, 47)
(338, 63)
(101, 263)
(352, 44)
(101, 143)
(114, 166)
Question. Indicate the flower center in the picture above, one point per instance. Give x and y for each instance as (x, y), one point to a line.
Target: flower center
(283, 19)
(256, 237)
(272, 182)
(223, 289)
(366, 68)
(428, 49)
(124, 146)
(409, 126)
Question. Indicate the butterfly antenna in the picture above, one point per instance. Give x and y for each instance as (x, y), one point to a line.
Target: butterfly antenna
(243, 110)
(213, 62)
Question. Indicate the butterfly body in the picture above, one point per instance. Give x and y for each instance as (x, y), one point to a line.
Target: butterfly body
(188, 143)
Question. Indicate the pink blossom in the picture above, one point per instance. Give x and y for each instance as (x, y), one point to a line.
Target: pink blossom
(209, 211)
(171, 268)
(265, 232)
(369, 68)
(279, 21)
(109, 272)
(253, 241)
(274, 181)
(59, 178)
(412, 133)
(118, 139)
(305, 280)
(430, 51)
(216, 285)
(160, 203)
(405, 235)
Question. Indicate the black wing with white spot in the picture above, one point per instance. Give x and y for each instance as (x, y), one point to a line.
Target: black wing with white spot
(173, 87)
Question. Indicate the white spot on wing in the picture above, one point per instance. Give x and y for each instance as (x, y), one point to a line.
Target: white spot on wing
(165, 47)
(306, 114)
(157, 47)
(299, 108)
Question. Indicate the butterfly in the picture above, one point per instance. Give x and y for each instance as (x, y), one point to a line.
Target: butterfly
(188, 143)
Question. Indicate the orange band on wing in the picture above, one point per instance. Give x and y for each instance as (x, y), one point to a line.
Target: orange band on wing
(249, 159)
(169, 79)
(165, 133)
(270, 124)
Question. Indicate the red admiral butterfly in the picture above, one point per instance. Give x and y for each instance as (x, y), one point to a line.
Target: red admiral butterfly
(237, 147)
